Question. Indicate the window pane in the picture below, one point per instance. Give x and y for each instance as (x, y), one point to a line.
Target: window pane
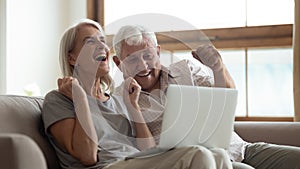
(204, 14)
(201, 13)
(270, 82)
(235, 63)
(270, 12)
(165, 58)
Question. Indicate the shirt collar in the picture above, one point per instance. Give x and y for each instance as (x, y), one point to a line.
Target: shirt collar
(165, 74)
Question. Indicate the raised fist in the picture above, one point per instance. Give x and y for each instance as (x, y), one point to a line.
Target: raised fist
(209, 56)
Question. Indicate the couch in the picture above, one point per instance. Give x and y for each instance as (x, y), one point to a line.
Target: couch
(23, 143)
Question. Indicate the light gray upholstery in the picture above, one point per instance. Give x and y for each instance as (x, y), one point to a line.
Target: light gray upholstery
(21, 127)
(20, 151)
(22, 115)
(286, 133)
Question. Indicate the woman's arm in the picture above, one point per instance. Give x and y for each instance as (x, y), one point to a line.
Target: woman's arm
(77, 136)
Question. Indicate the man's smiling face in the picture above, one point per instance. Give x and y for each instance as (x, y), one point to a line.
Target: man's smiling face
(142, 63)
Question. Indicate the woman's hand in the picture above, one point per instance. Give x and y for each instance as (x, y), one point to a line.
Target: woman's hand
(65, 86)
(68, 85)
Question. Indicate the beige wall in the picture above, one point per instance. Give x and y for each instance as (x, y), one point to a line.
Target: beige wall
(32, 30)
(2, 46)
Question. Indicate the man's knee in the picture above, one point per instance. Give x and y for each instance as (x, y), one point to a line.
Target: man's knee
(221, 158)
(237, 165)
(201, 150)
(219, 152)
(202, 156)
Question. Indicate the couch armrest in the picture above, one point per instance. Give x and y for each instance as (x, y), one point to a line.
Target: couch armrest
(285, 133)
(20, 151)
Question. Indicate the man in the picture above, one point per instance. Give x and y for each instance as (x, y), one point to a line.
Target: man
(137, 56)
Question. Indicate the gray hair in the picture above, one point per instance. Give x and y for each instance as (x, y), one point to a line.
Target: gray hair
(67, 44)
(133, 35)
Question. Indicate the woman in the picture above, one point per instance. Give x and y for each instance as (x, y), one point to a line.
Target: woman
(90, 128)
(75, 139)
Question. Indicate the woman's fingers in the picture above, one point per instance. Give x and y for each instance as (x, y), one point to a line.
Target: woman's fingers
(65, 86)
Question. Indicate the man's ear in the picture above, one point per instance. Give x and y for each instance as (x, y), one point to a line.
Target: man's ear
(71, 59)
(117, 61)
(158, 50)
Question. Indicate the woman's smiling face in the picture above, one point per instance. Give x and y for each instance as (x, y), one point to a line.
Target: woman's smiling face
(90, 51)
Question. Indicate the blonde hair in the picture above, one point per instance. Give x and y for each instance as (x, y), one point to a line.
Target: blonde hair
(67, 44)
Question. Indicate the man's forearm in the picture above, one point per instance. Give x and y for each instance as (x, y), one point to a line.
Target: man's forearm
(223, 79)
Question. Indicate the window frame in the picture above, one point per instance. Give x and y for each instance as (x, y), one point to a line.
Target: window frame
(235, 38)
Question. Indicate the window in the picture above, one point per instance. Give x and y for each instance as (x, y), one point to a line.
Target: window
(270, 82)
(205, 14)
(254, 40)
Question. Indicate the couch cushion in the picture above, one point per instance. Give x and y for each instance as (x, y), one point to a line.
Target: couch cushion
(19, 151)
(22, 114)
(285, 133)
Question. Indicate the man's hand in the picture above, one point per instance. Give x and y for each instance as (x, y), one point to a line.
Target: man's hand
(209, 56)
(132, 92)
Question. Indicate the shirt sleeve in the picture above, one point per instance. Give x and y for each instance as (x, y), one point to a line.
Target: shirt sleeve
(237, 148)
(201, 74)
(56, 107)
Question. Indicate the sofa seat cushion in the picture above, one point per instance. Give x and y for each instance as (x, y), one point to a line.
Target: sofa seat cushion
(22, 114)
(20, 151)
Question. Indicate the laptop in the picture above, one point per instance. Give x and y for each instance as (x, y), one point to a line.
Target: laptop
(196, 116)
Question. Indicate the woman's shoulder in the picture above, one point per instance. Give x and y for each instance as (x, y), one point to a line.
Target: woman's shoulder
(52, 93)
(55, 96)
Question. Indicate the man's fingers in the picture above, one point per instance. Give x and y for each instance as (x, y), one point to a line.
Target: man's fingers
(127, 83)
(196, 56)
(203, 52)
(208, 55)
(131, 89)
(131, 85)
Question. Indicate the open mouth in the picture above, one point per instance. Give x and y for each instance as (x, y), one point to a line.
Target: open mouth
(144, 74)
(100, 58)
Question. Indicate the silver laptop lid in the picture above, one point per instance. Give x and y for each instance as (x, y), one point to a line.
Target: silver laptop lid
(198, 116)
